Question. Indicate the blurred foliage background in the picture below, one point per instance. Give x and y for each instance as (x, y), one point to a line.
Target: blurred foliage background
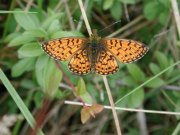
(36, 77)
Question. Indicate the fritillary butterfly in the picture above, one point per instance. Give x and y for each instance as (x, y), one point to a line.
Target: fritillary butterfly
(94, 54)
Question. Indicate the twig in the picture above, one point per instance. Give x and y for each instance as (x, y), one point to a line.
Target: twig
(99, 19)
(141, 118)
(126, 12)
(112, 105)
(28, 5)
(81, 18)
(62, 85)
(127, 109)
(69, 15)
(126, 26)
(104, 77)
(172, 88)
(176, 14)
(85, 17)
(136, 28)
(59, 4)
(177, 19)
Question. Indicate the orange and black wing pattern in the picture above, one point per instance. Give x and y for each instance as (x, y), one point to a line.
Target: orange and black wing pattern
(79, 63)
(63, 48)
(126, 51)
(106, 63)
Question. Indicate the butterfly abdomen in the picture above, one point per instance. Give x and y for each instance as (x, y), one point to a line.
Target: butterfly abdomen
(93, 51)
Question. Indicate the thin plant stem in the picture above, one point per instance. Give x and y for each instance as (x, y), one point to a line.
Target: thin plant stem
(126, 12)
(127, 109)
(81, 18)
(71, 23)
(177, 19)
(134, 29)
(104, 77)
(138, 19)
(112, 104)
(85, 17)
(176, 14)
(28, 5)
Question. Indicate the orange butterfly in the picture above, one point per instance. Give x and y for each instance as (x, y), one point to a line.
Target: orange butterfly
(95, 53)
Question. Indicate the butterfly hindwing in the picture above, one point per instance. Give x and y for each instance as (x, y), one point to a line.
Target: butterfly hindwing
(124, 50)
(79, 63)
(106, 63)
(63, 48)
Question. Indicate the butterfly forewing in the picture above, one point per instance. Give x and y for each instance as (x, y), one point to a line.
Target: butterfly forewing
(79, 63)
(63, 48)
(124, 50)
(106, 63)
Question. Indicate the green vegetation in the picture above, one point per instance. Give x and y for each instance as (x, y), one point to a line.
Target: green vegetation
(37, 86)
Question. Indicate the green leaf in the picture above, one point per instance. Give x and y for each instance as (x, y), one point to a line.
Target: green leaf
(52, 77)
(151, 10)
(21, 66)
(81, 87)
(30, 50)
(54, 26)
(61, 34)
(154, 68)
(39, 68)
(25, 21)
(163, 17)
(166, 3)
(38, 32)
(21, 39)
(157, 82)
(50, 19)
(28, 84)
(129, 81)
(87, 98)
(136, 99)
(38, 98)
(162, 60)
(59, 94)
(177, 109)
(128, 1)
(171, 72)
(11, 36)
(82, 92)
(136, 72)
(116, 10)
(107, 4)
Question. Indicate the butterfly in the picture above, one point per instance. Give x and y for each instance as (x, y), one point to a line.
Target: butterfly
(94, 54)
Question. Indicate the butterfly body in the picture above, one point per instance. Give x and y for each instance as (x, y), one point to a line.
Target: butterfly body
(93, 48)
(94, 54)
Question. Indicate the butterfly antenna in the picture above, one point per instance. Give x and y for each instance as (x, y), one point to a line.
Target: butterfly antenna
(109, 26)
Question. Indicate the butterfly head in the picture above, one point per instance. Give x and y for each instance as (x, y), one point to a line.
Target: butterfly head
(94, 36)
